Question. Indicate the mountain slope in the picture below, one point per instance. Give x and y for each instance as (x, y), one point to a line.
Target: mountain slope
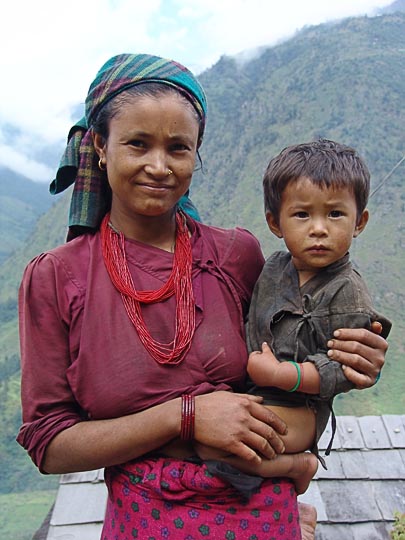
(22, 201)
(343, 81)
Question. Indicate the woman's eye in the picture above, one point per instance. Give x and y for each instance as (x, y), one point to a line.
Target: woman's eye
(137, 143)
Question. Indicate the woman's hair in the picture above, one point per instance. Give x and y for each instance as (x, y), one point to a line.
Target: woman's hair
(147, 89)
(325, 163)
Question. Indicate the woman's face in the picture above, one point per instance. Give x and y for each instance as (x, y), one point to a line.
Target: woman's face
(148, 138)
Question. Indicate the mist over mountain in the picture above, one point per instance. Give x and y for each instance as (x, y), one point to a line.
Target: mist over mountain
(398, 5)
(344, 81)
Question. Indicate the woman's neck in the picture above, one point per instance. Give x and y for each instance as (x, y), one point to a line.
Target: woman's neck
(157, 231)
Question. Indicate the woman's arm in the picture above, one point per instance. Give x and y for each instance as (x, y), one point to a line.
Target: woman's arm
(95, 444)
(236, 423)
(361, 352)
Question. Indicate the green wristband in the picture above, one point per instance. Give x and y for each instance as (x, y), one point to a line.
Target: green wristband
(297, 367)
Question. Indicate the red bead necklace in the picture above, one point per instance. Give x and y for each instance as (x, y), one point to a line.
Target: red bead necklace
(179, 284)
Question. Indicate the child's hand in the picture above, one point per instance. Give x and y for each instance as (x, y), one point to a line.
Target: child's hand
(263, 366)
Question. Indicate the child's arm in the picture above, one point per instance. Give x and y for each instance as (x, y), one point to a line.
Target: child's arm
(265, 370)
(321, 375)
(350, 307)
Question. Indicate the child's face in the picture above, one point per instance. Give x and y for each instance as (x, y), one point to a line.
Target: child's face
(317, 224)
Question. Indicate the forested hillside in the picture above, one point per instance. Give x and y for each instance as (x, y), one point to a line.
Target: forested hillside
(343, 81)
(22, 201)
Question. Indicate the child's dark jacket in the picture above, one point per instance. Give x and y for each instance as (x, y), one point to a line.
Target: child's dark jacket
(297, 323)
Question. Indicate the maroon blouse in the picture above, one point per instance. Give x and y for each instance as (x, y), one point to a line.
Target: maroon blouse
(81, 356)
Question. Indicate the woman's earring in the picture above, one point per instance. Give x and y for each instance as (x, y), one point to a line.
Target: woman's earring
(101, 165)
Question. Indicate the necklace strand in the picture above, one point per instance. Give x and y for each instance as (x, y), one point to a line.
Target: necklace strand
(179, 284)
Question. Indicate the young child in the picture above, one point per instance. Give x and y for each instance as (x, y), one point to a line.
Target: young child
(315, 199)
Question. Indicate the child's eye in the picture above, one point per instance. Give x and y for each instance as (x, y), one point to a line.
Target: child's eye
(335, 213)
(179, 147)
(301, 215)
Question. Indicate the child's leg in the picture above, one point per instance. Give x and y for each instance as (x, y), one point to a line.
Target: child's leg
(299, 467)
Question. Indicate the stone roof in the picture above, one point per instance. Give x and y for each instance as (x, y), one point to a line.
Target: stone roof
(355, 498)
(365, 482)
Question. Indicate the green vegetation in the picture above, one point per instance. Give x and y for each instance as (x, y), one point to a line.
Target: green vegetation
(22, 202)
(21, 514)
(343, 81)
(398, 530)
(17, 472)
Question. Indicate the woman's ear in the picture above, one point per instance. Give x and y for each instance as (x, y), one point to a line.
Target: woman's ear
(99, 144)
(361, 223)
(273, 224)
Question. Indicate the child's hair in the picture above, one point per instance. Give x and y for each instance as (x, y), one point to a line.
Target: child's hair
(325, 163)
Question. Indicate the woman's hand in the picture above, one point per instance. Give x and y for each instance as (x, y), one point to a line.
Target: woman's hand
(361, 352)
(238, 424)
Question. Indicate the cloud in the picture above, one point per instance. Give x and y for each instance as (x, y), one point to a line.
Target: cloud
(56, 48)
(21, 164)
(233, 26)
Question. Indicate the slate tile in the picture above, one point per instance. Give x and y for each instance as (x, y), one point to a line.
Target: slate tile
(390, 497)
(326, 436)
(79, 503)
(349, 501)
(313, 496)
(334, 467)
(395, 429)
(402, 454)
(334, 532)
(78, 478)
(363, 531)
(88, 531)
(354, 464)
(384, 464)
(369, 531)
(349, 432)
(374, 432)
(356, 531)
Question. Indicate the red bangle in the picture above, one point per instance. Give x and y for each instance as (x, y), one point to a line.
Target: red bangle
(187, 417)
(299, 389)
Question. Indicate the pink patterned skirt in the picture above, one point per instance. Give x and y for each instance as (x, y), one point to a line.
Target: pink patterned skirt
(171, 499)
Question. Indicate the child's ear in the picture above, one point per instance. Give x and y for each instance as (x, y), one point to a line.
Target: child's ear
(272, 222)
(361, 223)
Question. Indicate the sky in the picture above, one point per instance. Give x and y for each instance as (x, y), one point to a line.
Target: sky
(51, 51)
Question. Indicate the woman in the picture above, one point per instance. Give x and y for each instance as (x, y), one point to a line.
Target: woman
(132, 333)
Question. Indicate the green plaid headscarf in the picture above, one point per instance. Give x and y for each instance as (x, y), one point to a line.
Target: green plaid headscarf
(79, 163)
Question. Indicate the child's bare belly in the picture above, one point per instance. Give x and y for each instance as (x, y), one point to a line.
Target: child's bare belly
(301, 427)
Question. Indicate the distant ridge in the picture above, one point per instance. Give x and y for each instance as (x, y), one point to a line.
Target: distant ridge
(398, 5)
